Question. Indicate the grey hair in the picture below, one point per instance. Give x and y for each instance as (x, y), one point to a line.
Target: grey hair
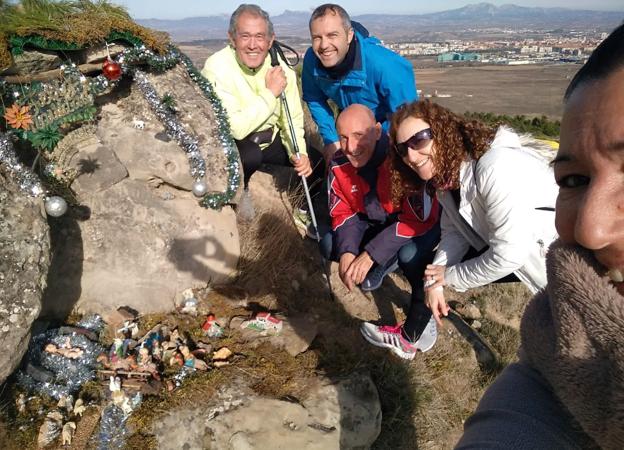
(254, 10)
(323, 10)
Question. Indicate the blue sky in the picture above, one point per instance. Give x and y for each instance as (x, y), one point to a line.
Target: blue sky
(178, 9)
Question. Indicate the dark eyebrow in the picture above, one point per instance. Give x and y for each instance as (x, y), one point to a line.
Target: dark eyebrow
(560, 159)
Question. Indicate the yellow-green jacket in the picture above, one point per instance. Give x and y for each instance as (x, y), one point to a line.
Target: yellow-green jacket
(251, 107)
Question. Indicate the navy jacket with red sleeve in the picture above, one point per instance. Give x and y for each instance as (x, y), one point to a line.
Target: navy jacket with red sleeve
(359, 198)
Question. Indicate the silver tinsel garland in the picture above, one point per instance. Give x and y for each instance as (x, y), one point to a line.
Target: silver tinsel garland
(68, 374)
(175, 130)
(129, 60)
(27, 181)
(113, 431)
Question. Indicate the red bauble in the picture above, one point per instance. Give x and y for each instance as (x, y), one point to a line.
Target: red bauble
(111, 70)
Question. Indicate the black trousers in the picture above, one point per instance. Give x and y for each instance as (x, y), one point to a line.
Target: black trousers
(252, 157)
(418, 315)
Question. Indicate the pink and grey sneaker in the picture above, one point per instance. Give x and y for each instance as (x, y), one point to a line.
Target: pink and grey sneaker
(389, 336)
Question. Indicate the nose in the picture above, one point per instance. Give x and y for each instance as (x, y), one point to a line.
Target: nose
(351, 144)
(253, 42)
(600, 217)
(413, 156)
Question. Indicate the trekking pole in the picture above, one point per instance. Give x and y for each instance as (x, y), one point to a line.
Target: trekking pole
(275, 62)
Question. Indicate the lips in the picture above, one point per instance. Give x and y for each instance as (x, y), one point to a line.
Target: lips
(418, 165)
(422, 163)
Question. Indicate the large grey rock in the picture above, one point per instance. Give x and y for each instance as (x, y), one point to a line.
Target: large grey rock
(24, 260)
(146, 238)
(342, 415)
(32, 62)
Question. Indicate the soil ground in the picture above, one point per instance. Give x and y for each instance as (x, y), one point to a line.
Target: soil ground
(531, 90)
(281, 271)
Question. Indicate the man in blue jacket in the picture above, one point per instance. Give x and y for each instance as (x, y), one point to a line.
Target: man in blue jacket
(348, 66)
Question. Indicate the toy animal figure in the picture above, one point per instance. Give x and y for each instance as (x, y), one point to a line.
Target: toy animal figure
(79, 407)
(66, 402)
(68, 433)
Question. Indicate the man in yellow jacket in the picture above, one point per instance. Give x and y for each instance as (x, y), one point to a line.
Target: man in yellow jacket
(250, 88)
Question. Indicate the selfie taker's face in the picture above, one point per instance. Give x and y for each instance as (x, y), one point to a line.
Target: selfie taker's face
(589, 169)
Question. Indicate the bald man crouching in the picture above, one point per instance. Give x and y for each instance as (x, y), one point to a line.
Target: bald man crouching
(373, 232)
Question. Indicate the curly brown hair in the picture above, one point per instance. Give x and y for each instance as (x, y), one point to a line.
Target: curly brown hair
(455, 138)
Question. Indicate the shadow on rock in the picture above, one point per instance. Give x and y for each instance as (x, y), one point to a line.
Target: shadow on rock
(194, 256)
(66, 263)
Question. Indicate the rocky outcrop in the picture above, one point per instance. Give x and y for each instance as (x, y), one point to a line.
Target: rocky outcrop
(341, 415)
(24, 259)
(146, 238)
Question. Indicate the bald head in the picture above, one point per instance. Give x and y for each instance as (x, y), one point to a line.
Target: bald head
(358, 132)
(356, 112)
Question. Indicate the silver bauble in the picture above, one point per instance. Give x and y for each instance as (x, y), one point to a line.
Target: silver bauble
(200, 188)
(55, 206)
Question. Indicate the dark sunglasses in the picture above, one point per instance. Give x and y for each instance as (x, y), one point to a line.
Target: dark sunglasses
(416, 142)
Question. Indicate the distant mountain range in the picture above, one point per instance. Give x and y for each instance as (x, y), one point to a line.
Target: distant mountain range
(388, 26)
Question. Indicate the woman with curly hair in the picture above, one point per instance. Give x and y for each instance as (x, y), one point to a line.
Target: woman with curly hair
(497, 196)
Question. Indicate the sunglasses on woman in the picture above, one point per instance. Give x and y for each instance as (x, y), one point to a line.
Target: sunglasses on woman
(416, 142)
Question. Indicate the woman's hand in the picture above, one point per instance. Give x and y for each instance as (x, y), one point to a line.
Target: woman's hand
(434, 292)
(434, 274)
(434, 299)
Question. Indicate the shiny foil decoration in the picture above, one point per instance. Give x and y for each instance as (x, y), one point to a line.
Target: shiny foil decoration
(55, 206)
(68, 375)
(111, 70)
(127, 61)
(27, 181)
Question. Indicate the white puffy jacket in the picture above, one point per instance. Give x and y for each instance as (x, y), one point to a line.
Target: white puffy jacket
(501, 197)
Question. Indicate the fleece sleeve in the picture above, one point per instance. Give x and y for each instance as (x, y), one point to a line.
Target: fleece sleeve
(246, 114)
(453, 245)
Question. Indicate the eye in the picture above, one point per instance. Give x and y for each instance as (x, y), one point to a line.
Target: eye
(572, 181)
